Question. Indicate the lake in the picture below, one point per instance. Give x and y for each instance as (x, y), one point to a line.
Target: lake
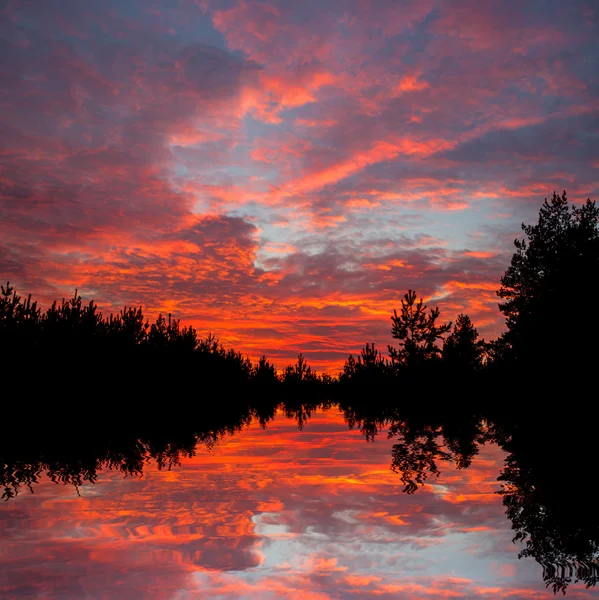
(274, 512)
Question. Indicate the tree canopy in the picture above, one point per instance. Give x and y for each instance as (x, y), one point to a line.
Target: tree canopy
(552, 277)
(417, 332)
(463, 349)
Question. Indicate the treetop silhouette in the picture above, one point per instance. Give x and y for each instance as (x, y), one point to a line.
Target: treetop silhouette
(553, 270)
(462, 349)
(417, 333)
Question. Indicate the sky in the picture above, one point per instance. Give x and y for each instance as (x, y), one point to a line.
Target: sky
(274, 513)
(281, 173)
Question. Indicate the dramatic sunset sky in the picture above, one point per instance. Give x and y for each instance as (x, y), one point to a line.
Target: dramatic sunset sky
(281, 172)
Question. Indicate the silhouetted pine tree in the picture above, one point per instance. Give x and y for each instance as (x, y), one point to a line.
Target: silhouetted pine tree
(370, 367)
(553, 274)
(300, 372)
(264, 373)
(417, 332)
(462, 349)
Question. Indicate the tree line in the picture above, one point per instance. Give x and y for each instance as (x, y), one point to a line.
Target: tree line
(546, 293)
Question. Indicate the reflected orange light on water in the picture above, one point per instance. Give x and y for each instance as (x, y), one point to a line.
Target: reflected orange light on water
(274, 513)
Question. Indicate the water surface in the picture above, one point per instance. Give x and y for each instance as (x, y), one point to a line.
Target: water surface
(271, 513)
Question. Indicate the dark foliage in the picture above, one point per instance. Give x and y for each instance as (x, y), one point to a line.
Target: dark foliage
(417, 332)
(553, 276)
(463, 350)
(370, 367)
(75, 341)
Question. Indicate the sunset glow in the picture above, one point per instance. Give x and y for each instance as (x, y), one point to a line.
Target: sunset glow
(280, 173)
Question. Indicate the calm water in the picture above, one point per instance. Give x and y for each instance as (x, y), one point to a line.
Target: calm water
(271, 513)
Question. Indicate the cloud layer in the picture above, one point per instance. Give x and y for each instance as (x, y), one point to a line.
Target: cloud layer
(281, 173)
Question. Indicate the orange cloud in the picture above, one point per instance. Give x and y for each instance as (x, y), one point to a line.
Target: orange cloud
(410, 83)
(379, 151)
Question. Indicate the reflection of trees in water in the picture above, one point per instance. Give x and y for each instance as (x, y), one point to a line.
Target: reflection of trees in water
(547, 488)
(547, 462)
(70, 455)
(79, 464)
(423, 445)
(422, 440)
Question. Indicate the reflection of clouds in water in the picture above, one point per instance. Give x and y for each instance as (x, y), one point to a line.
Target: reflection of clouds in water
(272, 513)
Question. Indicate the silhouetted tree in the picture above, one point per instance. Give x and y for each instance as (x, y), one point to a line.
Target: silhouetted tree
(552, 271)
(128, 329)
(300, 372)
(169, 336)
(349, 369)
(264, 373)
(462, 350)
(19, 322)
(417, 333)
(370, 367)
(74, 340)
